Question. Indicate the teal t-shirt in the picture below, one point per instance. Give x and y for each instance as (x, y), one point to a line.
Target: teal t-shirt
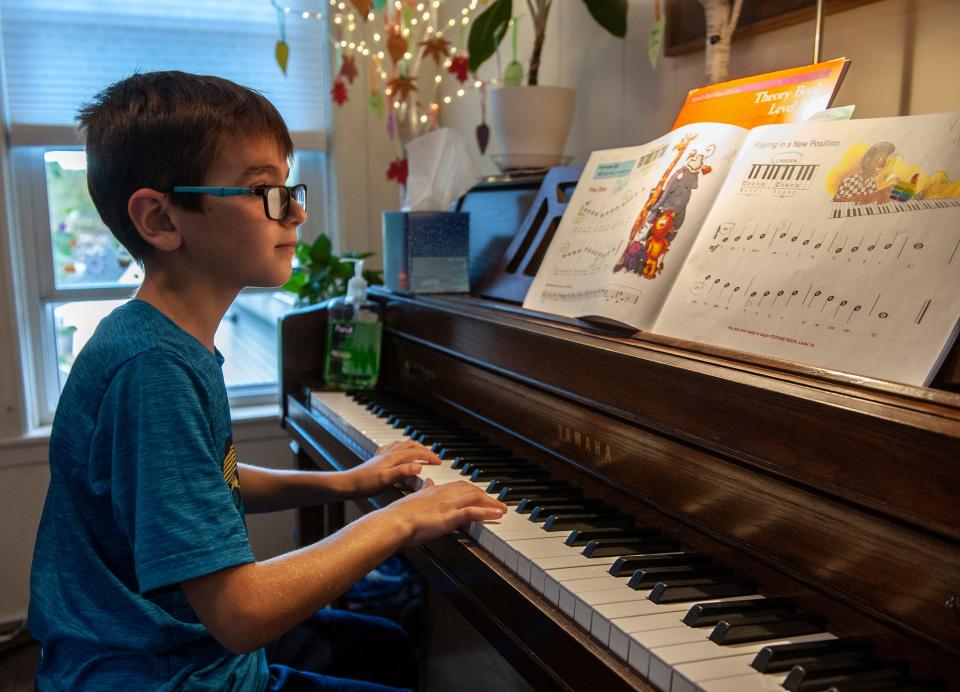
(143, 495)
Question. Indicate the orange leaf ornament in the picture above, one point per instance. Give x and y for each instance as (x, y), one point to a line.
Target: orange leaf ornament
(363, 7)
(397, 46)
(437, 48)
(400, 87)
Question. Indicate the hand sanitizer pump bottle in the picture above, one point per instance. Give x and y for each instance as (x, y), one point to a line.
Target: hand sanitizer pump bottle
(353, 337)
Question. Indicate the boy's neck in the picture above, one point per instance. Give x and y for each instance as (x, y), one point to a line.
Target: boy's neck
(194, 309)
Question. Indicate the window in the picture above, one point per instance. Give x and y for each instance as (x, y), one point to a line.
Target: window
(70, 271)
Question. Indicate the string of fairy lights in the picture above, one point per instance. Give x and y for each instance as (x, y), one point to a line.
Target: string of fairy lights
(353, 31)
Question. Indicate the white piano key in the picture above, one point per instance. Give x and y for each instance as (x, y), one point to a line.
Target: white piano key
(663, 658)
(690, 677)
(755, 682)
(605, 614)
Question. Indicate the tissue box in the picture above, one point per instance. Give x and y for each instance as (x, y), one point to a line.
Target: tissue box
(426, 251)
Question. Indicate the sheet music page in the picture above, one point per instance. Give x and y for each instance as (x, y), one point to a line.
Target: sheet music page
(835, 244)
(630, 223)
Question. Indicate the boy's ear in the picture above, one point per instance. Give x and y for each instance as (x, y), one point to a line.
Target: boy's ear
(149, 211)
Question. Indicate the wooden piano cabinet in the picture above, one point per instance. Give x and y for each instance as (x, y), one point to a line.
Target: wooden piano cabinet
(838, 491)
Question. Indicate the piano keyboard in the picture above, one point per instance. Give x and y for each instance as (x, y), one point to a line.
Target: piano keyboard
(848, 209)
(676, 618)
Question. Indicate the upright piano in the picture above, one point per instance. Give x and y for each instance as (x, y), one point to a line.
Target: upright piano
(682, 517)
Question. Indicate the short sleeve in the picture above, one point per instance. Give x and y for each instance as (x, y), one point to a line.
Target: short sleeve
(167, 472)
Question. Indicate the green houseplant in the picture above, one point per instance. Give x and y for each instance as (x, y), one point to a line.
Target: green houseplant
(531, 122)
(321, 275)
(490, 26)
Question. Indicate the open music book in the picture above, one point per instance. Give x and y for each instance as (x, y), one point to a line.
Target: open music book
(831, 243)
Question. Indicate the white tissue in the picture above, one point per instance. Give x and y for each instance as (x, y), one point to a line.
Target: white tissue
(440, 170)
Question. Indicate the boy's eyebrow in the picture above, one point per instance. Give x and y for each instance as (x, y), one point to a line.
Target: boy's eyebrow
(267, 169)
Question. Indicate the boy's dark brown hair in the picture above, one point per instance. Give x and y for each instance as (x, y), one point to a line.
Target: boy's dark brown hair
(161, 129)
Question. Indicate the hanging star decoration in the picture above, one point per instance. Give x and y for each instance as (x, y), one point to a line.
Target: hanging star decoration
(399, 88)
(397, 170)
(339, 92)
(437, 48)
(460, 66)
(348, 68)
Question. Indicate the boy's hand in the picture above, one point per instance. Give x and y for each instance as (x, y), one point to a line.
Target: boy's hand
(391, 464)
(435, 510)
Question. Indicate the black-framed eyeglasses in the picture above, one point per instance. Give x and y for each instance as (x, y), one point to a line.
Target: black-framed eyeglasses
(276, 198)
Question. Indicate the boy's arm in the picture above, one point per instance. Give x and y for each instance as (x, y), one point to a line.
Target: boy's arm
(248, 606)
(268, 490)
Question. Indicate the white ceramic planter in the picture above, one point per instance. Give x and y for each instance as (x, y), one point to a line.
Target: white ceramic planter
(531, 125)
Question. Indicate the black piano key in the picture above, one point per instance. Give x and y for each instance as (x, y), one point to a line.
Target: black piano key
(508, 490)
(430, 439)
(582, 537)
(630, 563)
(647, 578)
(451, 451)
(402, 420)
(621, 547)
(864, 675)
(709, 614)
(504, 464)
(527, 504)
(460, 460)
(585, 521)
(667, 593)
(726, 633)
(487, 474)
(782, 657)
(544, 512)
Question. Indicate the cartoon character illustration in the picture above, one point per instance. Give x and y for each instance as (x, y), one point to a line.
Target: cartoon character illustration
(860, 186)
(655, 194)
(679, 189)
(662, 232)
(673, 196)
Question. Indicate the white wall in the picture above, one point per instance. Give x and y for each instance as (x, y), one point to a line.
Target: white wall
(905, 56)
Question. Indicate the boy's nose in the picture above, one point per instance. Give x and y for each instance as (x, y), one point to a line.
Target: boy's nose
(296, 215)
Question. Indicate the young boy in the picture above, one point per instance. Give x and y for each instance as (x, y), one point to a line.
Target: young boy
(143, 576)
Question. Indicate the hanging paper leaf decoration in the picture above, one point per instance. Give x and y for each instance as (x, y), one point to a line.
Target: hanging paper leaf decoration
(397, 170)
(483, 137)
(400, 87)
(339, 92)
(460, 66)
(396, 46)
(379, 4)
(348, 68)
(375, 104)
(282, 52)
(437, 48)
(363, 7)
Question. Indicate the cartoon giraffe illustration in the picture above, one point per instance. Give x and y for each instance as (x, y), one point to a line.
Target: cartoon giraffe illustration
(680, 147)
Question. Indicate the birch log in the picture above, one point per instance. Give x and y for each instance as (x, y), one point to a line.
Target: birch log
(721, 22)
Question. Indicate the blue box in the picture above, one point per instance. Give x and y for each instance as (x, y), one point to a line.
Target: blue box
(426, 251)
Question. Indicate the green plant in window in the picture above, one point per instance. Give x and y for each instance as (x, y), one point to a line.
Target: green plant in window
(320, 275)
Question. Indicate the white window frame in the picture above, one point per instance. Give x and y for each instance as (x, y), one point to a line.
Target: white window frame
(36, 293)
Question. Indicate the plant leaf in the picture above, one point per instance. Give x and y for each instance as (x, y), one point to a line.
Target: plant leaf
(321, 250)
(295, 282)
(610, 14)
(487, 30)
